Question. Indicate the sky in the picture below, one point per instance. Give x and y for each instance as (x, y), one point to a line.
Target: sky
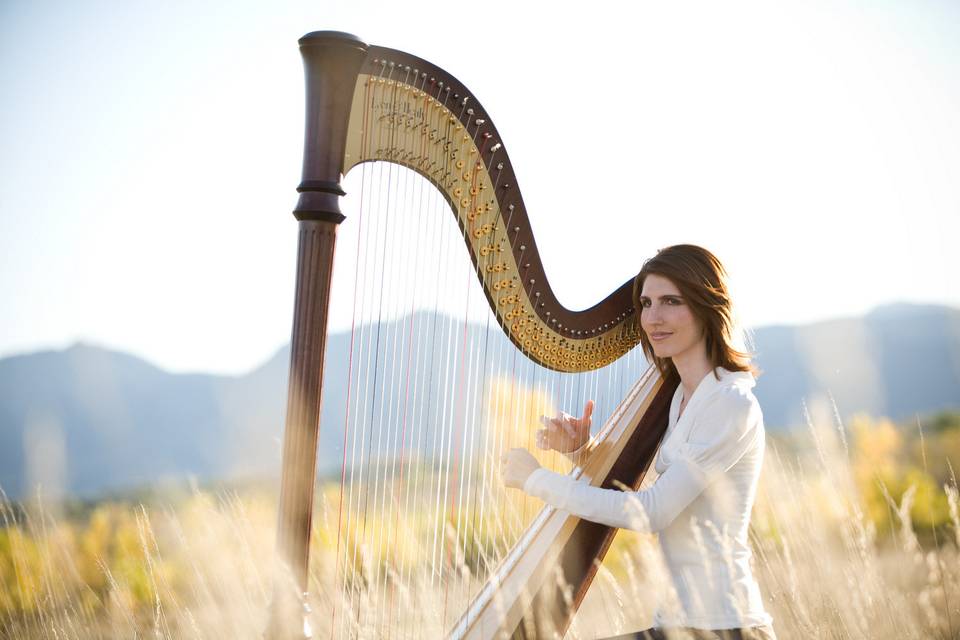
(151, 151)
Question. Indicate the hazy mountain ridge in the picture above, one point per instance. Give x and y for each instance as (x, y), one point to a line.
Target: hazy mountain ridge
(896, 361)
(100, 420)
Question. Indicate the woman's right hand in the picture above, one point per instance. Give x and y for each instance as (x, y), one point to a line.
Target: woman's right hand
(565, 433)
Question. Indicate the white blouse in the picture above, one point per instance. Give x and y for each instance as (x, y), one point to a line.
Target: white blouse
(709, 465)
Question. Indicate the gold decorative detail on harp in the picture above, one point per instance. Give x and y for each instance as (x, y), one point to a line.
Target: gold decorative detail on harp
(369, 104)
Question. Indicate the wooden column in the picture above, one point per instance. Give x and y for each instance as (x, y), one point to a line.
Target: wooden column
(331, 63)
(298, 479)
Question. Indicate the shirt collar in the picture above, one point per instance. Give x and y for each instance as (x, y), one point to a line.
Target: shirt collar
(710, 382)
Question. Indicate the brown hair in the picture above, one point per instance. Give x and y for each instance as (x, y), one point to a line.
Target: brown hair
(702, 282)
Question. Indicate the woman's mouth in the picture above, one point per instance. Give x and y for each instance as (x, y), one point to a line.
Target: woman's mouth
(660, 335)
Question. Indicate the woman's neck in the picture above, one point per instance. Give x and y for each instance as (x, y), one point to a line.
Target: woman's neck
(692, 366)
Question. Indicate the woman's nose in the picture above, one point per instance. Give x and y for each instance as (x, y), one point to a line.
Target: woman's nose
(652, 314)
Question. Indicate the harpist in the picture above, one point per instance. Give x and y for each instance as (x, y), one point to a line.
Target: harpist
(709, 462)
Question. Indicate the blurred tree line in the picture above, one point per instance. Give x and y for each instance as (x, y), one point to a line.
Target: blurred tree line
(920, 457)
(98, 556)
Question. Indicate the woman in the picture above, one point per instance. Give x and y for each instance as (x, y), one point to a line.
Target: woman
(708, 463)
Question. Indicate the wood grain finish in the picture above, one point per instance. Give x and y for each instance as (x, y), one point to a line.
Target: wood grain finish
(317, 243)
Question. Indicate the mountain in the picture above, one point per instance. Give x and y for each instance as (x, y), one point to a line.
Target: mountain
(897, 361)
(100, 419)
(90, 420)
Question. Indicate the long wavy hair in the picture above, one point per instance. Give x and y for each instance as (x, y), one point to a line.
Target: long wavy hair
(704, 285)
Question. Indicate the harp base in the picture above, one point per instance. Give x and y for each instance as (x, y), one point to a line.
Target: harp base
(289, 617)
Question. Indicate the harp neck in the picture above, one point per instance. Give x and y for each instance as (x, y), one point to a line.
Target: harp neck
(369, 103)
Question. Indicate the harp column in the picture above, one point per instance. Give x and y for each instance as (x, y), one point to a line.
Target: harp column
(331, 63)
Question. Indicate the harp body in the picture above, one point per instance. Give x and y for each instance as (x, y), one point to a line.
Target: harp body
(372, 104)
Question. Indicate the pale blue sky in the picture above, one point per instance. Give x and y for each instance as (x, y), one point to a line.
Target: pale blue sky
(151, 153)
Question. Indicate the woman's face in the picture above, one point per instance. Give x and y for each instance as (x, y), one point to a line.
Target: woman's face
(667, 320)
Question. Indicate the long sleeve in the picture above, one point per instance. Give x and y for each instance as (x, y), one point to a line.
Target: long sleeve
(647, 510)
(723, 432)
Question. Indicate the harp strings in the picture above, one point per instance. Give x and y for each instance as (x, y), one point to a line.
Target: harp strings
(435, 393)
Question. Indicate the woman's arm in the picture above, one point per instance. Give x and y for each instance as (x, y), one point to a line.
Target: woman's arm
(724, 430)
(651, 509)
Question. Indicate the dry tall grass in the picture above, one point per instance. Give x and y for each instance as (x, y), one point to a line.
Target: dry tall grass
(202, 568)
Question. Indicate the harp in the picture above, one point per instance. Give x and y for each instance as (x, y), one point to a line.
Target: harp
(369, 105)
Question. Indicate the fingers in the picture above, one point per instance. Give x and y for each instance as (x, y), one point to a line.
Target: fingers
(563, 422)
(513, 453)
(556, 421)
(554, 428)
(548, 438)
(587, 411)
(542, 439)
(551, 425)
(506, 471)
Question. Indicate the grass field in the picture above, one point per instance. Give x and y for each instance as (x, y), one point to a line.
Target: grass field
(856, 535)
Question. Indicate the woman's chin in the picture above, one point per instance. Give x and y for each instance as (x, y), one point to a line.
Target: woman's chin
(662, 353)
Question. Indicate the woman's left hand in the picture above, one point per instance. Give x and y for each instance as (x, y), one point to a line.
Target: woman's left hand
(516, 466)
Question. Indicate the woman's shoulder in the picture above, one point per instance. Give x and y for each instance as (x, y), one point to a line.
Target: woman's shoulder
(733, 396)
(728, 424)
